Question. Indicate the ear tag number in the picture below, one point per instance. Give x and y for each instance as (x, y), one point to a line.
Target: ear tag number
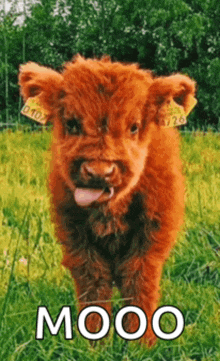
(176, 115)
(34, 110)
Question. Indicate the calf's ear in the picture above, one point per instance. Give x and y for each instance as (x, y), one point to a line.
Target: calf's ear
(45, 83)
(177, 88)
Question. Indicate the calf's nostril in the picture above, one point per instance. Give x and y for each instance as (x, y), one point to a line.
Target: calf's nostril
(90, 171)
(109, 171)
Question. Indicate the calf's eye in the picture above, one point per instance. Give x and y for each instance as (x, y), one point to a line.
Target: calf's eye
(134, 128)
(73, 127)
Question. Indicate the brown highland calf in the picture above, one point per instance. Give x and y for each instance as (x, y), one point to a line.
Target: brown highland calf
(116, 180)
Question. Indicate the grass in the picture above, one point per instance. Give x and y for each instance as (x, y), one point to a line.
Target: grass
(31, 274)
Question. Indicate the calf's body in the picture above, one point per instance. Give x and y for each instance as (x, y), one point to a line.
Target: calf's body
(116, 179)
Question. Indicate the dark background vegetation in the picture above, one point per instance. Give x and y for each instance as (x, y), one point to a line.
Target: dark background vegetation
(165, 36)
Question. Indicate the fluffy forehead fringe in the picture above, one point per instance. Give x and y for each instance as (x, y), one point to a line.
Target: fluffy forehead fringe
(106, 66)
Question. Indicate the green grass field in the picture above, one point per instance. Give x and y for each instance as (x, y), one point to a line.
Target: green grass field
(31, 274)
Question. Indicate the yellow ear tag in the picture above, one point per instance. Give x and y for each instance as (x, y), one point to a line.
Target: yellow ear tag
(34, 110)
(176, 115)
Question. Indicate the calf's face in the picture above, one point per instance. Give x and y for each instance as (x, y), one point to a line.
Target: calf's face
(103, 147)
(104, 115)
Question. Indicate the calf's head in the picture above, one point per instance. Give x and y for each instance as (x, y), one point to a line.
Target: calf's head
(104, 116)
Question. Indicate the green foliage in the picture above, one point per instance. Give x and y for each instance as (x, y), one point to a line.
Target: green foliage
(166, 36)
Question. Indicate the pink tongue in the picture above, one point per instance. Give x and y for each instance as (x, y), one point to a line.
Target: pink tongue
(85, 196)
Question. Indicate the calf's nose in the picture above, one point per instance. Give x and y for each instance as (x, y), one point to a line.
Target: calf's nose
(98, 169)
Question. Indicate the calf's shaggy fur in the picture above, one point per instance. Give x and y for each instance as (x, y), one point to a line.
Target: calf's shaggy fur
(116, 181)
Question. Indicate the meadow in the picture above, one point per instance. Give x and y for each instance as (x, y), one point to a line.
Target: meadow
(31, 274)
